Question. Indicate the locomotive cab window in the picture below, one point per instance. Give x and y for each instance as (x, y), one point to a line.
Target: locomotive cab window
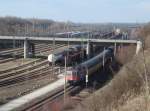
(69, 72)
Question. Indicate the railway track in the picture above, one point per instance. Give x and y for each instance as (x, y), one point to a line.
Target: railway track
(27, 71)
(37, 99)
(22, 66)
(5, 52)
(53, 96)
(22, 70)
(37, 62)
(4, 60)
(18, 51)
(26, 76)
(11, 53)
(47, 49)
(41, 49)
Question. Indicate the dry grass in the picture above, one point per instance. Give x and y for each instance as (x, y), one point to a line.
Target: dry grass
(147, 42)
(144, 32)
(125, 54)
(139, 103)
(126, 86)
(144, 35)
(69, 105)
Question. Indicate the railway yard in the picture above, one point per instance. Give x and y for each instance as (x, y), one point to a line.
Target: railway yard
(19, 76)
(59, 55)
(53, 74)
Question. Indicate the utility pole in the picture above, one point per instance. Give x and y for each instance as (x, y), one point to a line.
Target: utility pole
(68, 43)
(66, 58)
(53, 59)
(14, 43)
(82, 48)
(65, 79)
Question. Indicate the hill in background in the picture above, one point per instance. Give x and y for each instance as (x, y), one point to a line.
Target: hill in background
(45, 27)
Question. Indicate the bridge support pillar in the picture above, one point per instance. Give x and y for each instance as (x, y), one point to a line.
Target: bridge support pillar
(104, 59)
(139, 46)
(115, 48)
(31, 49)
(26, 48)
(89, 50)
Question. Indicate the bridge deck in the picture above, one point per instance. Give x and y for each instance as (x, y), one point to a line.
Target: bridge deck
(65, 40)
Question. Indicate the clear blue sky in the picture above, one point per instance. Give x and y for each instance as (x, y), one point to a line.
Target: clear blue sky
(79, 10)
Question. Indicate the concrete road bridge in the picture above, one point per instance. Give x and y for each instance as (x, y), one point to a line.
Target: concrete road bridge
(29, 42)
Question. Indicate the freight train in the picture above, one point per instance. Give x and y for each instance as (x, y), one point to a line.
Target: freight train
(78, 74)
(74, 54)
